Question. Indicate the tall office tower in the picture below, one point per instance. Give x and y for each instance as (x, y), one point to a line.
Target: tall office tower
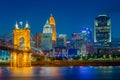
(61, 40)
(47, 37)
(102, 31)
(53, 25)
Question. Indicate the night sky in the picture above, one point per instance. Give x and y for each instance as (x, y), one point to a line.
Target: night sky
(70, 15)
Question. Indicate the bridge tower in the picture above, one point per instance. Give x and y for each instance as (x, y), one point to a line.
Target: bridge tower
(21, 42)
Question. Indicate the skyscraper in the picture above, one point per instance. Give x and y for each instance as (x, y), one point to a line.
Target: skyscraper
(102, 31)
(53, 25)
(47, 37)
(61, 40)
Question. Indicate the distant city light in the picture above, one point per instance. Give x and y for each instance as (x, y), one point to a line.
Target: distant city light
(83, 31)
(67, 41)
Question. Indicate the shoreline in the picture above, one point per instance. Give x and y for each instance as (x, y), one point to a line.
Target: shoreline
(76, 63)
(69, 63)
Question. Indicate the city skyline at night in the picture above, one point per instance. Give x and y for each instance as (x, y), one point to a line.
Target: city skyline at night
(70, 16)
(60, 39)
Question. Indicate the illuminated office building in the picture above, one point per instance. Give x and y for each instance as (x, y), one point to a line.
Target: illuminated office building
(53, 25)
(83, 37)
(61, 40)
(102, 31)
(86, 34)
(37, 40)
(47, 37)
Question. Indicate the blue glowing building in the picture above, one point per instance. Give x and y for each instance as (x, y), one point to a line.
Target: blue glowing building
(81, 41)
(86, 34)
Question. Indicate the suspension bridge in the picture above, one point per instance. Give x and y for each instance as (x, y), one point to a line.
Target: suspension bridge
(18, 46)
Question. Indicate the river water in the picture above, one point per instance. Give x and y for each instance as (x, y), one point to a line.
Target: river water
(61, 73)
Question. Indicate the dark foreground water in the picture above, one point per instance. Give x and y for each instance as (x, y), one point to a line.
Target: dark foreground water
(61, 73)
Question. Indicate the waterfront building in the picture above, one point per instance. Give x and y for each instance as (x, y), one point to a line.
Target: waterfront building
(60, 49)
(53, 25)
(38, 40)
(47, 37)
(76, 39)
(60, 52)
(82, 41)
(102, 31)
(61, 40)
(86, 34)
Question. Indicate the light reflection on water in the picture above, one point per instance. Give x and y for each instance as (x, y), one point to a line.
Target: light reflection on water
(62, 73)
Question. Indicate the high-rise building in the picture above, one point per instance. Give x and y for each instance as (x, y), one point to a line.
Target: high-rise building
(77, 39)
(102, 31)
(53, 25)
(61, 40)
(82, 41)
(37, 40)
(86, 34)
(47, 37)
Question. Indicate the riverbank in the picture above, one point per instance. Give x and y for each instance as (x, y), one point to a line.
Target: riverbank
(76, 63)
(71, 63)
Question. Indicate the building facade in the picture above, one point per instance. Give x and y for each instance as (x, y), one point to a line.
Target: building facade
(38, 40)
(102, 31)
(81, 41)
(47, 37)
(86, 34)
(53, 25)
(61, 40)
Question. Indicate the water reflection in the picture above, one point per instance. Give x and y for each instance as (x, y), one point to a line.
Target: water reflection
(62, 73)
(21, 72)
(53, 71)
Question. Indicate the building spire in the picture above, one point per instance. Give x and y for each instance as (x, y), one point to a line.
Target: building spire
(53, 25)
(16, 25)
(47, 22)
(47, 27)
(27, 25)
(52, 20)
